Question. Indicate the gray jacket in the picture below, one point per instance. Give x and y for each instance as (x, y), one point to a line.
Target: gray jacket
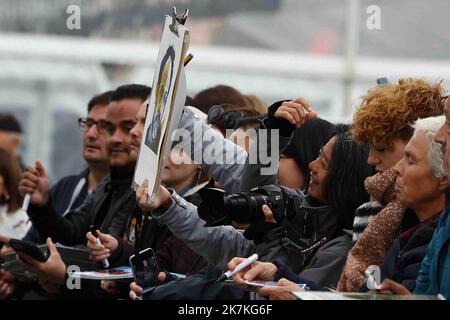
(226, 164)
(220, 244)
(326, 265)
(182, 218)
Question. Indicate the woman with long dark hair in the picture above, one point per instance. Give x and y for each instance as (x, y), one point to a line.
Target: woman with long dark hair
(336, 190)
(13, 221)
(329, 214)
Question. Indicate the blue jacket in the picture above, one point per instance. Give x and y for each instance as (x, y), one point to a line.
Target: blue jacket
(63, 191)
(434, 274)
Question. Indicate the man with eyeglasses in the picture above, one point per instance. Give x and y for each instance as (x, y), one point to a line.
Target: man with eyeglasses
(111, 204)
(69, 192)
(110, 207)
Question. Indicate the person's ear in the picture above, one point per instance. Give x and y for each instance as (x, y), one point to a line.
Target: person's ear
(443, 183)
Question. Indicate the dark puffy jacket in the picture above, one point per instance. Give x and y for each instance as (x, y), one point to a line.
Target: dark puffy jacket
(64, 198)
(108, 208)
(404, 257)
(172, 254)
(403, 260)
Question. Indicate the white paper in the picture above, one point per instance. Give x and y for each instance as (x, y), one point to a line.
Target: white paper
(112, 274)
(166, 101)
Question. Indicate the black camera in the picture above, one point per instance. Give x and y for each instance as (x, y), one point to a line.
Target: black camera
(219, 208)
(302, 225)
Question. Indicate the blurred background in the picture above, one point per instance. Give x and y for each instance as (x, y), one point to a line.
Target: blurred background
(323, 50)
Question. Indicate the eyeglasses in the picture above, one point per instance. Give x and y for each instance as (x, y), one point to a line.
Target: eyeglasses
(87, 123)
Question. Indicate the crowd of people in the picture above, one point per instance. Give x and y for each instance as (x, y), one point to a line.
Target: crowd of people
(344, 198)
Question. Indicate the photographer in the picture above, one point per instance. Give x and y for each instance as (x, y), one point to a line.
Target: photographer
(339, 190)
(349, 153)
(220, 243)
(214, 243)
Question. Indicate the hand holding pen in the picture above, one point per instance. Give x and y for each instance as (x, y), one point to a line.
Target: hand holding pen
(240, 267)
(34, 186)
(100, 246)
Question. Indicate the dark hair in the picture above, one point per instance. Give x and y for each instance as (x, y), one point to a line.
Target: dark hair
(101, 99)
(131, 91)
(344, 186)
(220, 94)
(10, 171)
(189, 101)
(248, 122)
(307, 141)
(9, 123)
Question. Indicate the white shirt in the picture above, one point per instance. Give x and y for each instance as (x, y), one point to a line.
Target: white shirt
(14, 224)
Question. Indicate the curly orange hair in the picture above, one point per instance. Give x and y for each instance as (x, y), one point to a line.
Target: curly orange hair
(387, 111)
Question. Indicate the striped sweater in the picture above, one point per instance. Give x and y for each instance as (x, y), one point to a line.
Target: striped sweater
(363, 216)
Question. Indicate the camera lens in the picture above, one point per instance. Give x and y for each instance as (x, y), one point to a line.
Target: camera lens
(245, 207)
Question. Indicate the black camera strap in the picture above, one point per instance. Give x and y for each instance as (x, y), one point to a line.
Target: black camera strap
(317, 244)
(303, 246)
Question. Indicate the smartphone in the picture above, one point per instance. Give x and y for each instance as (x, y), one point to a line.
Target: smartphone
(145, 268)
(29, 248)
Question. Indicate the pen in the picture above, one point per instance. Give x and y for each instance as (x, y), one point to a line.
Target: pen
(94, 233)
(188, 59)
(244, 264)
(105, 261)
(26, 202)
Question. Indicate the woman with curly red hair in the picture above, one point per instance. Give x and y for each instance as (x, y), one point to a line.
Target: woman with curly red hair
(383, 121)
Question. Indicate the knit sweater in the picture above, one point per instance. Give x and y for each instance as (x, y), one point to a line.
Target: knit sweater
(378, 236)
(381, 190)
